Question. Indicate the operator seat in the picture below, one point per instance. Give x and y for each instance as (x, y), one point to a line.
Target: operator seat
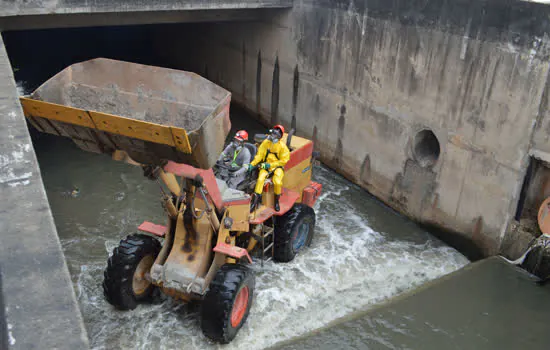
(250, 182)
(289, 139)
(251, 148)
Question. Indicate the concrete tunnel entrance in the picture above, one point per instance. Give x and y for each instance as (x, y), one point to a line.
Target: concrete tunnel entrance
(37, 55)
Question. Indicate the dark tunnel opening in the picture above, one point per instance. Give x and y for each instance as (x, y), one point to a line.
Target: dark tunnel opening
(37, 55)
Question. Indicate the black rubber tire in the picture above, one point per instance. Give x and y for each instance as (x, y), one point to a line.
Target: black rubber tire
(536, 264)
(286, 226)
(218, 303)
(118, 276)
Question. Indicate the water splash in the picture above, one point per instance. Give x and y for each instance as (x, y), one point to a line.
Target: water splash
(21, 89)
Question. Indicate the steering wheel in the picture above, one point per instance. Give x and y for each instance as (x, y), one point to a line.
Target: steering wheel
(227, 167)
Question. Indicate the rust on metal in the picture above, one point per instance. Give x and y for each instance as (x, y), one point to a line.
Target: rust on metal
(178, 295)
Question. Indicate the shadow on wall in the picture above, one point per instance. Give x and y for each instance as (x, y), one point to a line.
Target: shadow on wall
(456, 240)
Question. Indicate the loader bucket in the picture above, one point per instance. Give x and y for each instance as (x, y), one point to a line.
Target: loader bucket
(153, 114)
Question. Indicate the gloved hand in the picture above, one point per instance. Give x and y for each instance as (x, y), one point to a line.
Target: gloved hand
(250, 167)
(265, 166)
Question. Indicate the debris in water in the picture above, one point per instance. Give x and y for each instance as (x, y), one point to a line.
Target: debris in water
(75, 192)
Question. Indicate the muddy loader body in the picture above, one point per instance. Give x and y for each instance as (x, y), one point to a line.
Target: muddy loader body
(173, 125)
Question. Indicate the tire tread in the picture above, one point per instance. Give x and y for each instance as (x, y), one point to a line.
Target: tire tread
(118, 275)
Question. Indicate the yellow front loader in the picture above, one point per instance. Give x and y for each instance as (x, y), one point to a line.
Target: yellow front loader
(173, 125)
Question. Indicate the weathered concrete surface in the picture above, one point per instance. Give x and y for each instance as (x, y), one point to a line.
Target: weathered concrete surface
(48, 7)
(363, 78)
(41, 311)
(20, 14)
(486, 305)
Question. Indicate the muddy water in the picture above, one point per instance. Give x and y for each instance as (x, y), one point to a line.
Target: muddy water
(363, 253)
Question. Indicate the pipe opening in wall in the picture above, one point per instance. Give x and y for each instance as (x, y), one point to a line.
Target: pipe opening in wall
(426, 148)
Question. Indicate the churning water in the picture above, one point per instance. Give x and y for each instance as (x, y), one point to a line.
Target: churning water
(362, 254)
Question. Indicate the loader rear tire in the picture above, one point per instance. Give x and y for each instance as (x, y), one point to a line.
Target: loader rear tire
(293, 232)
(227, 303)
(124, 285)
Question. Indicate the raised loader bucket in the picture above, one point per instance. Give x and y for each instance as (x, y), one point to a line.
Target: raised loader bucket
(153, 114)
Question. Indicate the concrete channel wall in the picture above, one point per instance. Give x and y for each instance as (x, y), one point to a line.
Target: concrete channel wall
(39, 308)
(434, 106)
(51, 7)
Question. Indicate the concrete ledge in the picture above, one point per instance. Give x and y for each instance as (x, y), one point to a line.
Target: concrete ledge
(41, 311)
(49, 7)
(94, 19)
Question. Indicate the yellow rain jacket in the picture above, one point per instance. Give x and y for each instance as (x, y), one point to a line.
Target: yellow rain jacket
(276, 154)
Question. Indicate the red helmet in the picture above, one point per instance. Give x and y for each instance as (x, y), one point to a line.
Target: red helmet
(280, 127)
(241, 135)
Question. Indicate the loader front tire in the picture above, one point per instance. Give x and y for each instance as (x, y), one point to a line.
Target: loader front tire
(124, 285)
(293, 232)
(227, 303)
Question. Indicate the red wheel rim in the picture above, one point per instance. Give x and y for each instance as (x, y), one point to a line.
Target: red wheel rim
(239, 307)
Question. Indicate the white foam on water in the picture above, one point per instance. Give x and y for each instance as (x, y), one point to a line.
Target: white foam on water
(21, 89)
(349, 266)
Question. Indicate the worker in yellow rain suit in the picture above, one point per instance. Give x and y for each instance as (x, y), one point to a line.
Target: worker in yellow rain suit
(271, 157)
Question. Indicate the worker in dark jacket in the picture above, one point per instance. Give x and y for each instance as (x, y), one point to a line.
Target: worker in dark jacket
(237, 157)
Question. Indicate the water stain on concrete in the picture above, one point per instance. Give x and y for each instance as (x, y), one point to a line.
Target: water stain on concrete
(365, 170)
(338, 154)
(295, 88)
(259, 83)
(314, 136)
(243, 92)
(275, 93)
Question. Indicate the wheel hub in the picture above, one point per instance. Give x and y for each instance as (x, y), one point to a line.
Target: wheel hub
(300, 236)
(239, 307)
(140, 282)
